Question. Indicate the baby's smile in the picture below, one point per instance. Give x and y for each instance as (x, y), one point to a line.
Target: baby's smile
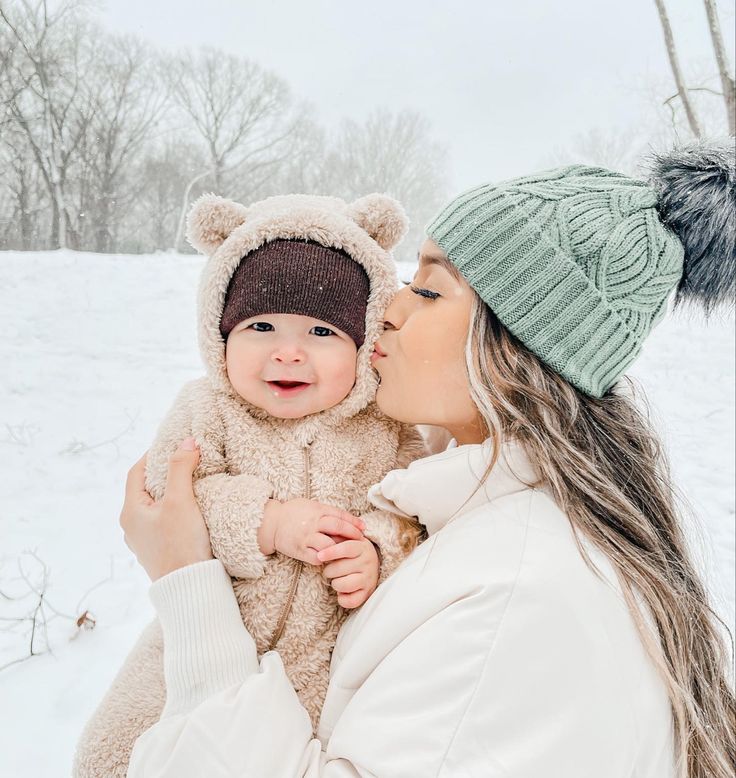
(285, 389)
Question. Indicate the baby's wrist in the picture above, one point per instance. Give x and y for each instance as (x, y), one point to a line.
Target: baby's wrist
(267, 530)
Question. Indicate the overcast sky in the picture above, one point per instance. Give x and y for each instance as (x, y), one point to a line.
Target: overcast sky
(504, 84)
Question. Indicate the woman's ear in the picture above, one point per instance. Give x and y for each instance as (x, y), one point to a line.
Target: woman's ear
(210, 221)
(382, 217)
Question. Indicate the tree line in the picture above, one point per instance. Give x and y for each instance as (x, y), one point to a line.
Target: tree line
(104, 141)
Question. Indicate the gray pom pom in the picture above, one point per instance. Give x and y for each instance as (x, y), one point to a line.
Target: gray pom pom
(696, 187)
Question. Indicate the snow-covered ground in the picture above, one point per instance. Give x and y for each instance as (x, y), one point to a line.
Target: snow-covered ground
(93, 350)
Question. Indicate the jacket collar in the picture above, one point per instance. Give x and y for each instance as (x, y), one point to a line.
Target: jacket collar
(444, 486)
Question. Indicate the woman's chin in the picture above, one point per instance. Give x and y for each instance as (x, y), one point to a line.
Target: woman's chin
(393, 407)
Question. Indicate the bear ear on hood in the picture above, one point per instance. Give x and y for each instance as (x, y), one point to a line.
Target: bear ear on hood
(210, 221)
(382, 217)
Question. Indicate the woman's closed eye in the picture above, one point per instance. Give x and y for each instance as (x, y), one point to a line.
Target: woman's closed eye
(428, 293)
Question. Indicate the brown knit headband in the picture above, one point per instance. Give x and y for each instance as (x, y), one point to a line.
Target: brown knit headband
(299, 277)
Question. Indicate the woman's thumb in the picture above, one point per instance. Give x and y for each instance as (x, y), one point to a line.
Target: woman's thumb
(182, 465)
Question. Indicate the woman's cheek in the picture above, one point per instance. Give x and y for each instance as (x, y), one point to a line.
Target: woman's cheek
(411, 390)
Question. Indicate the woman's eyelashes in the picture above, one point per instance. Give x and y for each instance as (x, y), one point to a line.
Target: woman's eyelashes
(428, 293)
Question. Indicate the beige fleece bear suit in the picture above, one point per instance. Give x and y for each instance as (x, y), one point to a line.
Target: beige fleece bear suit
(248, 457)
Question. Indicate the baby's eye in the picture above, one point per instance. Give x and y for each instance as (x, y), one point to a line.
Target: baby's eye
(322, 332)
(260, 326)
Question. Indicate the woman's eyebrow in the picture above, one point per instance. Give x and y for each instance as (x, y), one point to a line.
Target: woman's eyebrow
(445, 264)
(428, 259)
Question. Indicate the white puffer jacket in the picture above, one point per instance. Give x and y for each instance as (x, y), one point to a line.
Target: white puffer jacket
(494, 651)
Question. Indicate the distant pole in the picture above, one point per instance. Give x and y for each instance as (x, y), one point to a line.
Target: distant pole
(185, 208)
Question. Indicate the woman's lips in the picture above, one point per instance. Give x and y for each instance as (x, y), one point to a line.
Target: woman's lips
(288, 388)
(378, 353)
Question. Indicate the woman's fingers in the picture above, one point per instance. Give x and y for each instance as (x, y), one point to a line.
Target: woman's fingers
(137, 499)
(347, 584)
(182, 464)
(334, 525)
(169, 534)
(135, 483)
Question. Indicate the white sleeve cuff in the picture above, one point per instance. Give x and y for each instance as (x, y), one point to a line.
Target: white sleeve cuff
(206, 646)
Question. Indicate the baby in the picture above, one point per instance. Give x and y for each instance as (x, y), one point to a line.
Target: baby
(290, 439)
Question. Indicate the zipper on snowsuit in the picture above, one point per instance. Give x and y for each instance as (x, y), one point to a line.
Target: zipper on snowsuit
(286, 610)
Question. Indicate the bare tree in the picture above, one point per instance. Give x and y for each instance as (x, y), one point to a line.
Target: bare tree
(163, 173)
(391, 153)
(43, 94)
(104, 144)
(683, 94)
(619, 150)
(724, 70)
(26, 196)
(303, 168)
(682, 91)
(240, 111)
(127, 103)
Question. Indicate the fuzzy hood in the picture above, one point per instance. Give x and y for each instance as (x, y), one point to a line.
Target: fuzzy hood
(226, 232)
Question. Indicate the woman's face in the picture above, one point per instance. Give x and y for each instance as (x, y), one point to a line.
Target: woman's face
(421, 355)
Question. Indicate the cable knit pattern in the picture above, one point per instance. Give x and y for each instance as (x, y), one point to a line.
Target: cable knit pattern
(575, 262)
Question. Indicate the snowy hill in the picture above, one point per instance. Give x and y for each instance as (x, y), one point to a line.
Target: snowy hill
(93, 350)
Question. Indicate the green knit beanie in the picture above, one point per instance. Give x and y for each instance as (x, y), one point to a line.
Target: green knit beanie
(575, 262)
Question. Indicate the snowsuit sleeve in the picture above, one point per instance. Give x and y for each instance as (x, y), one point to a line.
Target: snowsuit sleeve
(396, 536)
(232, 505)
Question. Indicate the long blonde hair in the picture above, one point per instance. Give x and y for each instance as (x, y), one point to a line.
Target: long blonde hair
(608, 472)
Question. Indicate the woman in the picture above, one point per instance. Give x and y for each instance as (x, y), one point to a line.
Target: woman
(552, 624)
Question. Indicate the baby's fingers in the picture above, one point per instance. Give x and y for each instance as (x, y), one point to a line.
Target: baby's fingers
(347, 584)
(313, 545)
(337, 513)
(349, 549)
(319, 541)
(338, 568)
(352, 600)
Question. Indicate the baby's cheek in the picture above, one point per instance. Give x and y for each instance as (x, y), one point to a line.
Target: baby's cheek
(342, 381)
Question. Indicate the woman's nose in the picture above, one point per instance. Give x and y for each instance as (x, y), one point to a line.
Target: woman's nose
(396, 312)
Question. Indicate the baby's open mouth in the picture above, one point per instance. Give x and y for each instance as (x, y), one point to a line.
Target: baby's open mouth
(288, 384)
(287, 388)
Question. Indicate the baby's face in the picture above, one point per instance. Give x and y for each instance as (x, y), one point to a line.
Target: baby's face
(290, 366)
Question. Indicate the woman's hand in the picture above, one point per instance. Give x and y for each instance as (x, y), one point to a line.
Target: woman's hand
(170, 533)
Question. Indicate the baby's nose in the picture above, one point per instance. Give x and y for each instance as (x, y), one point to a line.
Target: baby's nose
(289, 353)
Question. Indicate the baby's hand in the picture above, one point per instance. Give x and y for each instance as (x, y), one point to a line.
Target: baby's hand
(352, 568)
(301, 528)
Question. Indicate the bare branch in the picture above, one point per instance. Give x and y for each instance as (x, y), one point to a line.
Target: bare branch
(682, 91)
(728, 84)
(36, 619)
(79, 447)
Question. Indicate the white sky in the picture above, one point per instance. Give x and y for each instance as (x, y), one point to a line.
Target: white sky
(504, 83)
